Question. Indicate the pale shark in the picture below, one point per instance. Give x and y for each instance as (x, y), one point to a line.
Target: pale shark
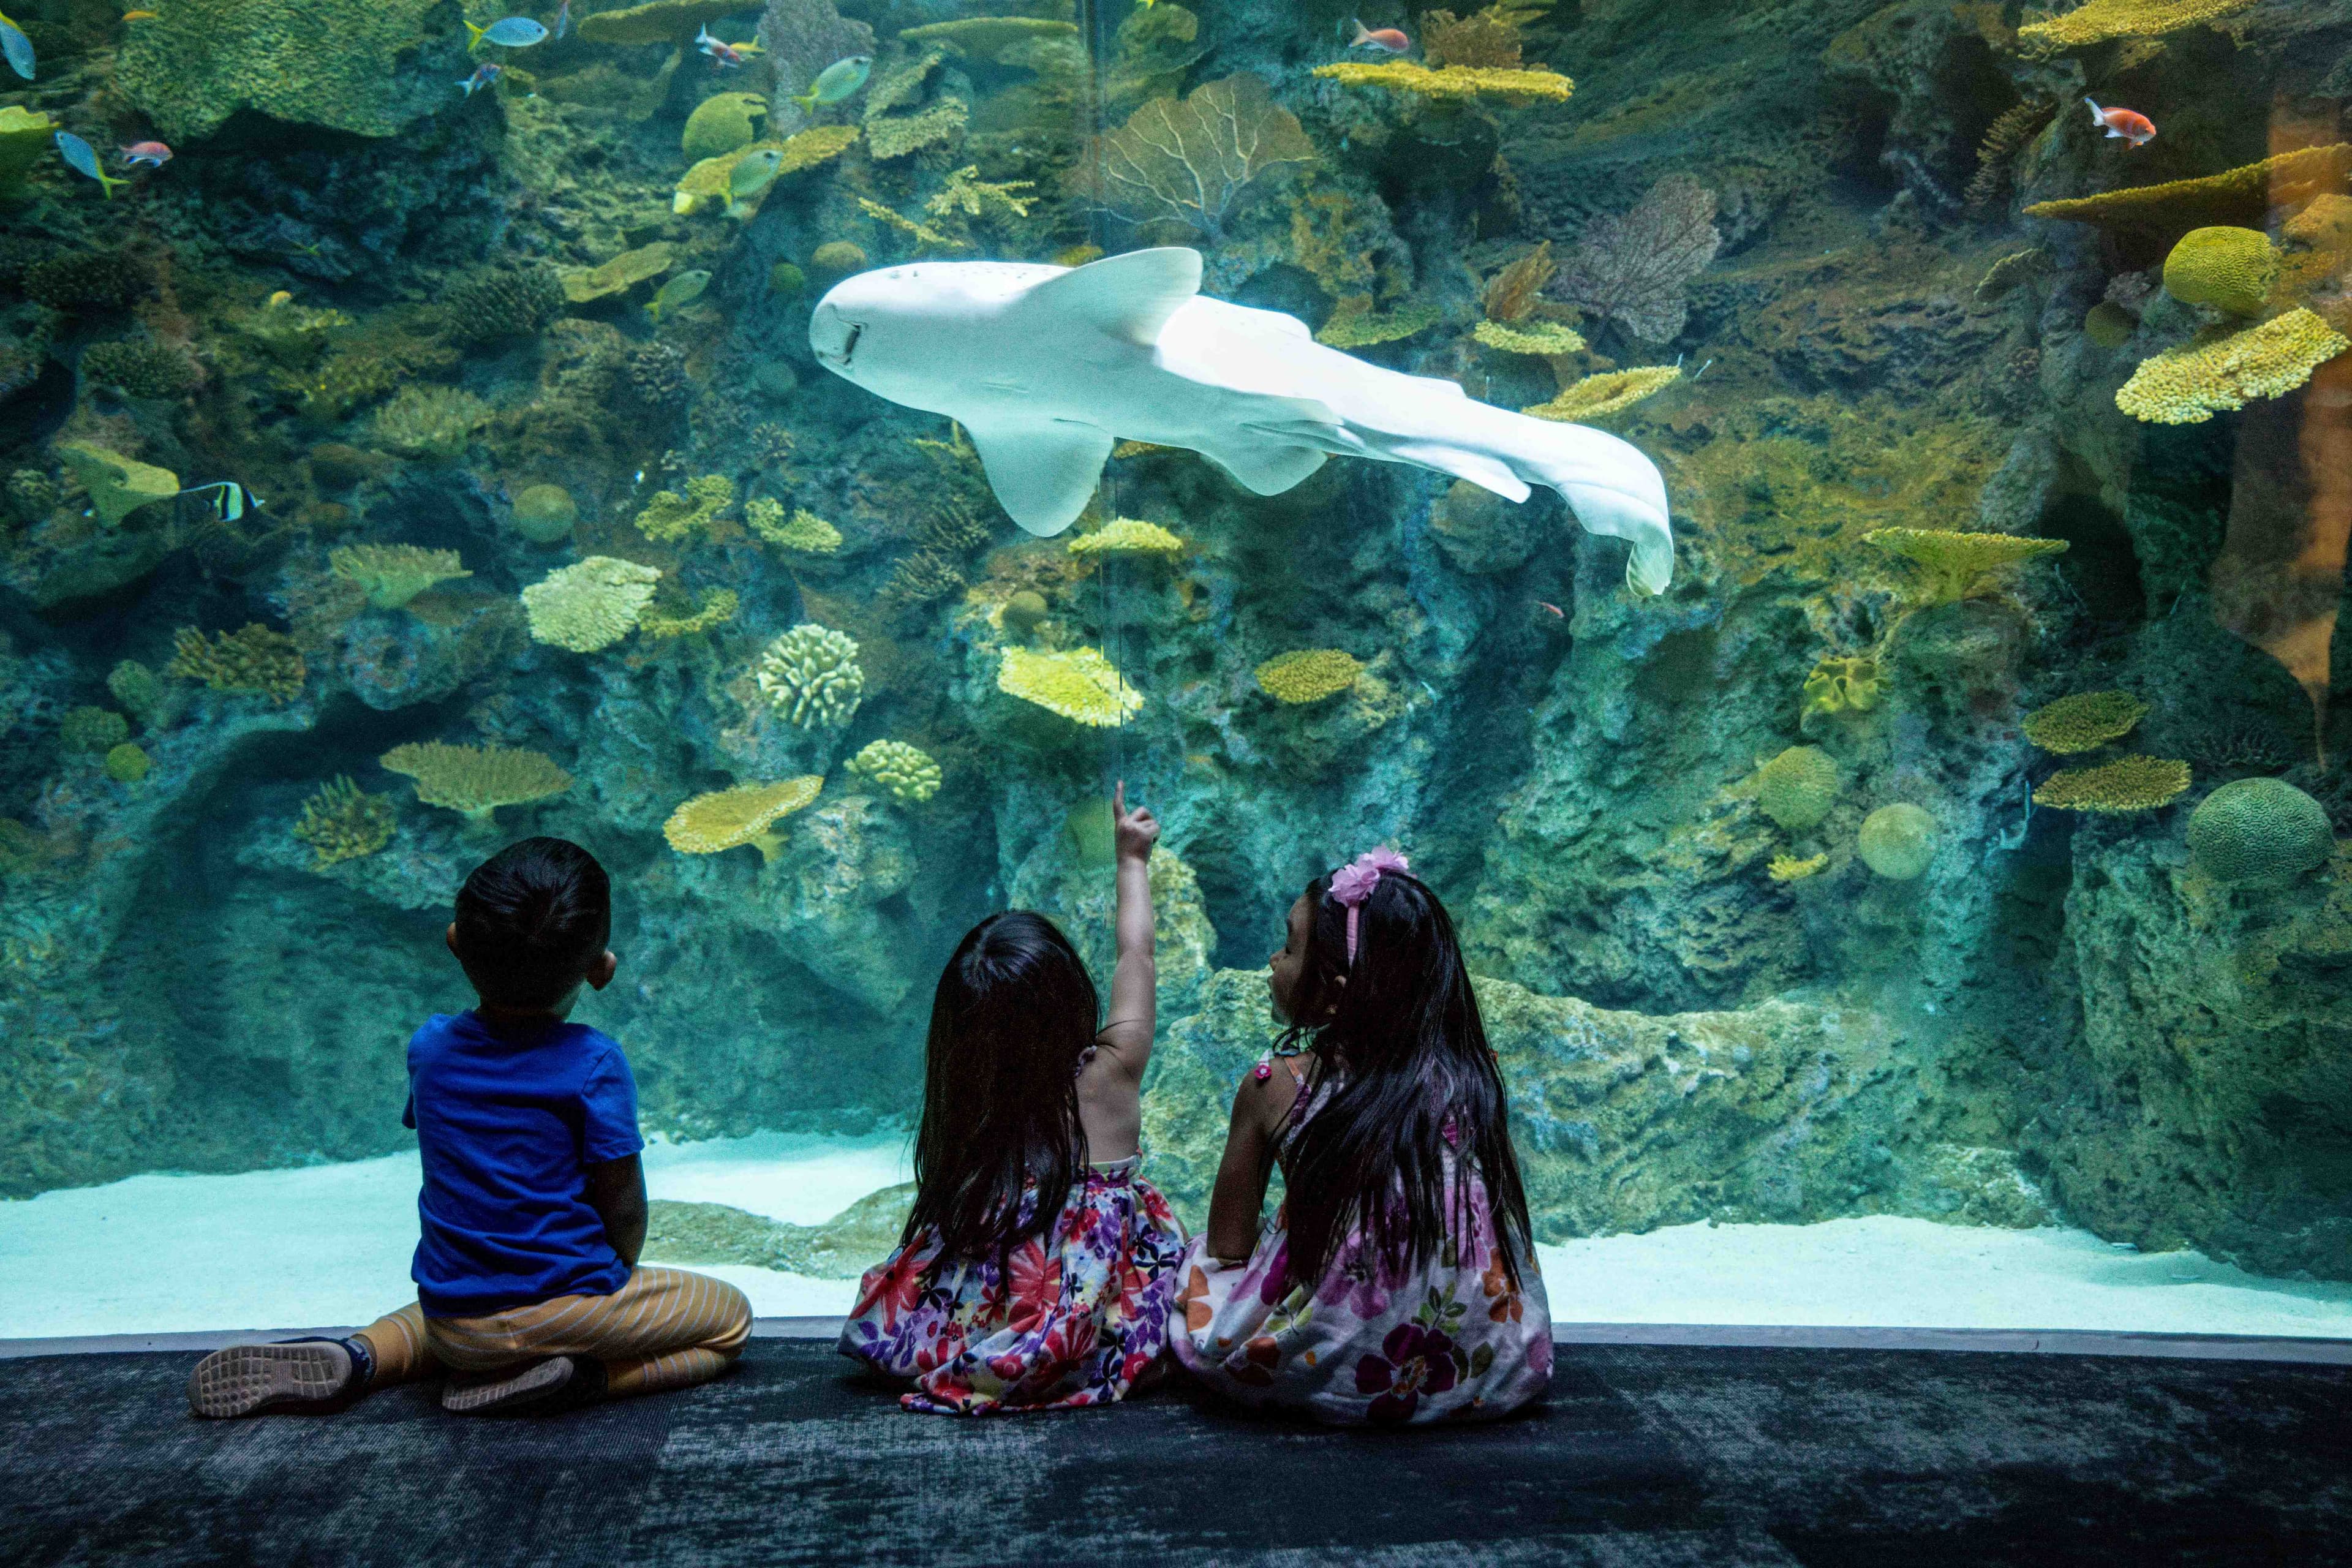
(1046, 367)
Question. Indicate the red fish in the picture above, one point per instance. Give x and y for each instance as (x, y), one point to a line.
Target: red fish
(1555, 609)
(2128, 124)
(154, 154)
(1389, 40)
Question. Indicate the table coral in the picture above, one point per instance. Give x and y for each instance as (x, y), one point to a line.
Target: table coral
(1460, 83)
(1797, 788)
(1079, 684)
(619, 275)
(811, 676)
(25, 141)
(2187, 385)
(1898, 841)
(730, 819)
(2124, 785)
(670, 516)
(2098, 21)
(343, 822)
(2242, 195)
(2085, 721)
(1354, 325)
(2228, 268)
(474, 781)
(909, 773)
(1958, 565)
(989, 36)
(1597, 396)
(1128, 536)
(371, 70)
(1307, 675)
(717, 611)
(1544, 339)
(251, 658)
(591, 604)
(1194, 159)
(2257, 831)
(118, 485)
(392, 575)
(659, 22)
(804, 531)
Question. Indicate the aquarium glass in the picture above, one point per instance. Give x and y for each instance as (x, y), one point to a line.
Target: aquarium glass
(1819, 526)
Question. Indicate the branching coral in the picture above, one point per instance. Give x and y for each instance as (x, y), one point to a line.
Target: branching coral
(804, 531)
(1354, 325)
(1079, 684)
(670, 516)
(474, 781)
(909, 773)
(967, 195)
(2188, 384)
(138, 368)
(2228, 268)
(1460, 83)
(504, 303)
(392, 575)
(82, 281)
(251, 658)
(924, 236)
(343, 822)
(1597, 395)
(1634, 269)
(716, 610)
(811, 676)
(2126, 784)
(2242, 195)
(430, 421)
(2085, 721)
(589, 605)
(1898, 841)
(1308, 674)
(1839, 685)
(2098, 21)
(746, 814)
(92, 729)
(2010, 129)
(922, 575)
(1789, 869)
(892, 136)
(118, 485)
(2252, 832)
(1958, 565)
(1546, 339)
(1129, 536)
(1192, 159)
(1797, 788)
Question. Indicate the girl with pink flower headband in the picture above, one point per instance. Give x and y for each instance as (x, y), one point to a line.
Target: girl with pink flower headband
(1397, 1282)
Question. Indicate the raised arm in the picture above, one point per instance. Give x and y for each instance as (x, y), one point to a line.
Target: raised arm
(1135, 983)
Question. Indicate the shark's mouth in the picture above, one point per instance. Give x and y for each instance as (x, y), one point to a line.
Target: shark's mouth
(834, 337)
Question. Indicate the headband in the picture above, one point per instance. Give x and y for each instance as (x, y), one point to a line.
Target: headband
(1353, 884)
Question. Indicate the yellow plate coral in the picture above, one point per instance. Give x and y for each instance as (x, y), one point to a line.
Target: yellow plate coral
(1128, 536)
(476, 780)
(2085, 721)
(2126, 784)
(1308, 674)
(1459, 82)
(746, 814)
(1079, 684)
(2187, 385)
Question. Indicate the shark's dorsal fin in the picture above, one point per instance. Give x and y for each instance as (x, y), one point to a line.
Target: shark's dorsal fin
(1128, 297)
(1044, 471)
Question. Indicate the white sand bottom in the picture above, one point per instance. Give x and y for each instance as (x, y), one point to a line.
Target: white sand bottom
(331, 1245)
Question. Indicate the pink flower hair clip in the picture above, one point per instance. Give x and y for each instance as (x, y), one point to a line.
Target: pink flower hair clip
(1353, 883)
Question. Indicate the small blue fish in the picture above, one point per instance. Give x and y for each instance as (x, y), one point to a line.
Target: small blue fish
(514, 33)
(78, 155)
(484, 73)
(17, 47)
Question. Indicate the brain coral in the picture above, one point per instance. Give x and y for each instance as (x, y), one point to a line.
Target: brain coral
(589, 605)
(2254, 831)
(1797, 788)
(744, 814)
(2229, 269)
(343, 822)
(1898, 841)
(2188, 384)
(1308, 674)
(476, 780)
(2126, 784)
(368, 70)
(909, 773)
(1128, 536)
(392, 575)
(1078, 684)
(545, 513)
(251, 658)
(811, 676)
(2083, 722)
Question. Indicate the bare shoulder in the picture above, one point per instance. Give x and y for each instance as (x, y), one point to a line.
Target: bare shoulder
(1265, 1100)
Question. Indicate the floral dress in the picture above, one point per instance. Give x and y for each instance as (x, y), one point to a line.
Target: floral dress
(1451, 1341)
(1080, 1318)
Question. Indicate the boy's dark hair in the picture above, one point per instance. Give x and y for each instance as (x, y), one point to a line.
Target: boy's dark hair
(1011, 1021)
(532, 921)
(1416, 1081)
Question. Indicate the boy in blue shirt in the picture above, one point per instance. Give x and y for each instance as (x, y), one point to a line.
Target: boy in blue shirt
(533, 1208)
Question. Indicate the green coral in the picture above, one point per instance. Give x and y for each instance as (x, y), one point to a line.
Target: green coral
(138, 368)
(670, 516)
(474, 781)
(430, 421)
(1307, 675)
(141, 693)
(2214, 372)
(2085, 721)
(369, 70)
(392, 575)
(87, 280)
(343, 822)
(251, 658)
(2128, 784)
(1839, 684)
(2228, 268)
(804, 531)
(118, 485)
(591, 604)
(2260, 831)
(716, 610)
(92, 729)
(25, 141)
(545, 513)
(811, 676)
(126, 763)
(1898, 841)
(909, 773)
(2109, 325)
(1797, 788)
(722, 123)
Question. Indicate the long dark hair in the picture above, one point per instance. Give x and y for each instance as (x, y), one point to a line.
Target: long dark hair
(1405, 1038)
(1012, 1016)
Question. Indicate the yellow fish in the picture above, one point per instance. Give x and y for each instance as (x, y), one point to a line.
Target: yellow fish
(139, 17)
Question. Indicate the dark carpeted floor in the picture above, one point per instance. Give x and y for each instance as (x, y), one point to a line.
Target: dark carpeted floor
(1644, 1456)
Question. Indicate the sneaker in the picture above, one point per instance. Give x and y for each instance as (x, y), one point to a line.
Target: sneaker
(244, 1379)
(540, 1384)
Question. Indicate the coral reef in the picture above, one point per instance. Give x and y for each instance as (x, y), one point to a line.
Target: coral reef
(719, 607)
(2085, 721)
(2258, 832)
(671, 517)
(802, 532)
(1192, 159)
(392, 575)
(2009, 132)
(430, 421)
(1898, 841)
(1079, 684)
(370, 70)
(811, 676)
(474, 781)
(1307, 675)
(1455, 82)
(2126, 784)
(619, 275)
(251, 658)
(143, 693)
(910, 774)
(1958, 565)
(25, 138)
(1129, 536)
(746, 814)
(1797, 788)
(2211, 374)
(87, 729)
(343, 822)
(1596, 396)
(722, 123)
(837, 258)
(2098, 21)
(589, 605)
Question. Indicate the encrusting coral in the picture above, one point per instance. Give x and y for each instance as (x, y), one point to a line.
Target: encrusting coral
(343, 822)
(811, 676)
(2228, 268)
(1079, 684)
(2124, 785)
(910, 774)
(1193, 159)
(1128, 536)
(728, 819)
(2256, 831)
(1460, 83)
(716, 610)
(251, 658)
(474, 781)
(392, 575)
(591, 604)
(1797, 788)
(1308, 674)
(1610, 391)
(1789, 869)
(2097, 21)
(670, 516)
(1898, 841)
(804, 531)
(2210, 374)
(2085, 721)
(1958, 565)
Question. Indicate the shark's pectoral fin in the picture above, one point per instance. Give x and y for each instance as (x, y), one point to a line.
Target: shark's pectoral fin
(1486, 472)
(1043, 473)
(1128, 297)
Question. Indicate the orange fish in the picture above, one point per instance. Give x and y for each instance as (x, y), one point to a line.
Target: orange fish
(1555, 609)
(2128, 124)
(1389, 40)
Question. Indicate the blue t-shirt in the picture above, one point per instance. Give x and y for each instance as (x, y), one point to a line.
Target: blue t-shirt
(505, 1123)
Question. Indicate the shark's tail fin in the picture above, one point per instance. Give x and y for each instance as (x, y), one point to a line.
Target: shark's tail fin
(1610, 487)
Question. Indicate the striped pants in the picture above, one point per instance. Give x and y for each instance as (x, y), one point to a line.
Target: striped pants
(664, 1329)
